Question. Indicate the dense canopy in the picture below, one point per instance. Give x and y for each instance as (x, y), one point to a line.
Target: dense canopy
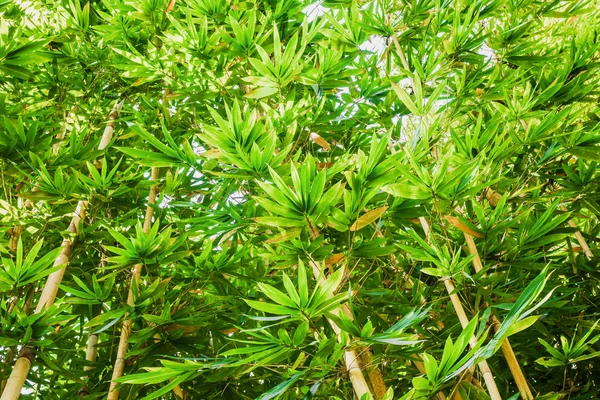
(299, 199)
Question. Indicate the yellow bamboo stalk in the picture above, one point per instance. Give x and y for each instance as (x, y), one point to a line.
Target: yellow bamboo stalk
(62, 134)
(488, 377)
(351, 359)
(15, 382)
(507, 350)
(113, 392)
(580, 239)
(410, 283)
(91, 354)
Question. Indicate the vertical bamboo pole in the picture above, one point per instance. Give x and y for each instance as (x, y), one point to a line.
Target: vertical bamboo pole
(488, 377)
(507, 350)
(580, 239)
(91, 354)
(113, 392)
(16, 380)
(351, 359)
(410, 283)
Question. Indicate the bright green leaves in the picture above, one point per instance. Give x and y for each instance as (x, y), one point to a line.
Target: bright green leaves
(153, 247)
(570, 352)
(305, 204)
(395, 335)
(17, 52)
(446, 263)
(455, 359)
(17, 138)
(296, 303)
(244, 140)
(57, 186)
(167, 154)
(518, 316)
(345, 32)
(276, 73)
(95, 294)
(26, 269)
(586, 152)
(170, 370)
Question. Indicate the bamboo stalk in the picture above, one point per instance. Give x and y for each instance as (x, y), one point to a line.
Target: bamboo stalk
(488, 377)
(54, 279)
(351, 359)
(464, 321)
(507, 350)
(63, 133)
(91, 354)
(113, 392)
(580, 239)
(16, 380)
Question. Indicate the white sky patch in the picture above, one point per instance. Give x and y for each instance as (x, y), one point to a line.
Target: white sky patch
(487, 52)
(314, 11)
(236, 198)
(165, 201)
(376, 44)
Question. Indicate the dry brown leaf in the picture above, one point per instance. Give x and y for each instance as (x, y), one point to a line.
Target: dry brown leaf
(315, 137)
(334, 259)
(464, 228)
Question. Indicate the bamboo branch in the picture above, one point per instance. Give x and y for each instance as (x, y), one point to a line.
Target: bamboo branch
(113, 392)
(507, 350)
(15, 382)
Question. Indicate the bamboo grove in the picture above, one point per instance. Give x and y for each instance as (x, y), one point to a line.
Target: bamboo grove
(298, 199)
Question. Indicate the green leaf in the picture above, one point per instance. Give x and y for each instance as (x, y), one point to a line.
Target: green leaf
(407, 191)
(271, 308)
(279, 389)
(586, 152)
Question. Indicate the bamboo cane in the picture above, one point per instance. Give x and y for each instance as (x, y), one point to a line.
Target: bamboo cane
(580, 239)
(22, 366)
(63, 133)
(351, 359)
(410, 283)
(507, 349)
(464, 321)
(488, 377)
(91, 354)
(113, 392)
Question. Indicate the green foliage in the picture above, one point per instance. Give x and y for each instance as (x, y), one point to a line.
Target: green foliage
(319, 165)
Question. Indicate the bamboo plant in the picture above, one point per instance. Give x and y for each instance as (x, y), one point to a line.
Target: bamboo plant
(356, 199)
